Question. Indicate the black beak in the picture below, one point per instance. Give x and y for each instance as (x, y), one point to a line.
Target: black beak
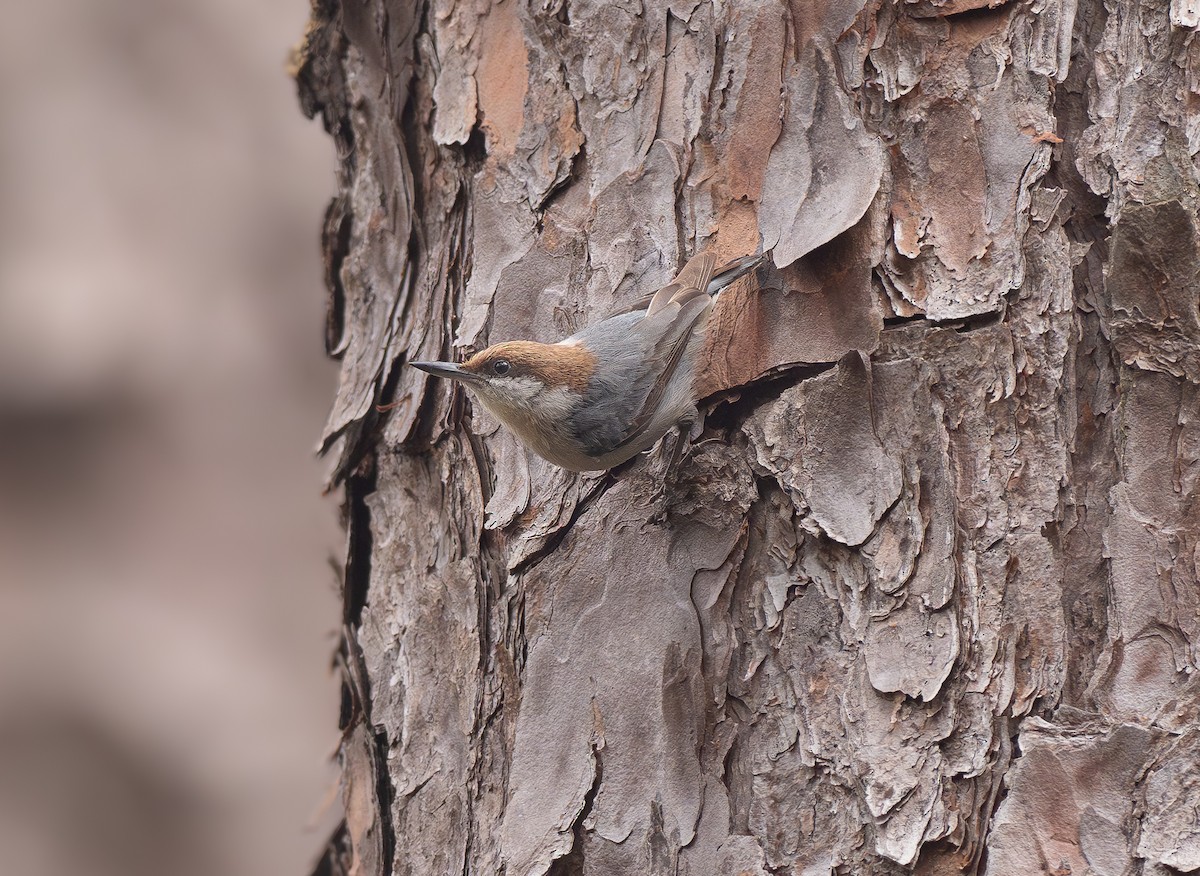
(444, 369)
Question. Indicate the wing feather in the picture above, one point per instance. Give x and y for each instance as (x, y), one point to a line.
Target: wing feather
(670, 352)
(690, 281)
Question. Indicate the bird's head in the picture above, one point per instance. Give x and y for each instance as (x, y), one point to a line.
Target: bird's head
(523, 378)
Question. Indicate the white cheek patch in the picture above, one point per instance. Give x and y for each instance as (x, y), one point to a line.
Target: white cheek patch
(525, 400)
(515, 389)
(569, 342)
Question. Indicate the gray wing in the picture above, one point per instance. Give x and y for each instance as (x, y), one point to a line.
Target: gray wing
(626, 392)
(672, 317)
(625, 395)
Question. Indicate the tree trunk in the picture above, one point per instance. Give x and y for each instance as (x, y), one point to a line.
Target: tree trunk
(924, 596)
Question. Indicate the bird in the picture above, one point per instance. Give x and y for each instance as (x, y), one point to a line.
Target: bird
(606, 393)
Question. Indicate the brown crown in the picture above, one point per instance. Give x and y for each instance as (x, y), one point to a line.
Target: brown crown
(566, 365)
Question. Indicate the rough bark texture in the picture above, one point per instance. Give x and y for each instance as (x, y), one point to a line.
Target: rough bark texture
(924, 597)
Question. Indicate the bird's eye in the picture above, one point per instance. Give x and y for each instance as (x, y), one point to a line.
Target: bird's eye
(501, 367)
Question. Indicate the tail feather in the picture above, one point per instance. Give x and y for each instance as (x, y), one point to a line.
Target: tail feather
(730, 272)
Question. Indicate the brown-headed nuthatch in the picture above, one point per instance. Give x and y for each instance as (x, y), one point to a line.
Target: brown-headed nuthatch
(599, 397)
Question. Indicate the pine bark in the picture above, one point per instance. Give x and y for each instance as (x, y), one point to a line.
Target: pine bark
(923, 598)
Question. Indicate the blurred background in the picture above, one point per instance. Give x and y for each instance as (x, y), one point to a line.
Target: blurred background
(166, 600)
